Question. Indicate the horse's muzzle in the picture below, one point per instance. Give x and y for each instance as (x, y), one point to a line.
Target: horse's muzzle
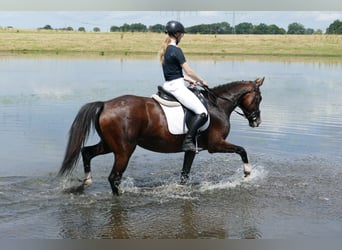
(255, 122)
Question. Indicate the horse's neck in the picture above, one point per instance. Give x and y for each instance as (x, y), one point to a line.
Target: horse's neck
(230, 97)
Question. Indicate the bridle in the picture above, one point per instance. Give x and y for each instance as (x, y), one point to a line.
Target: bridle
(253, 116)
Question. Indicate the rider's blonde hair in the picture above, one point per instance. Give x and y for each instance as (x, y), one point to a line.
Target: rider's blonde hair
(166, 43)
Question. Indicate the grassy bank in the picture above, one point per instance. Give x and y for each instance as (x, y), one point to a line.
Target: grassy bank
(18, 42)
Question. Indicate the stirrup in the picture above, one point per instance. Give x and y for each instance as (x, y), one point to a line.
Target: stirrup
(190, 146)
(196, 145)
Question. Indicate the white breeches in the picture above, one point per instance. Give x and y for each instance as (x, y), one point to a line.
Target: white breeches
(178, 89)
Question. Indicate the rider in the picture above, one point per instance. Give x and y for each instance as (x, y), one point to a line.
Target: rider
(174, 63)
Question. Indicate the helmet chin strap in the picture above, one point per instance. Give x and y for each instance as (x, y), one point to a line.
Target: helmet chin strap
(174, 36)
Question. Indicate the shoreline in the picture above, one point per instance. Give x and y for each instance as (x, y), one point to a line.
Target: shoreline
(147, 45)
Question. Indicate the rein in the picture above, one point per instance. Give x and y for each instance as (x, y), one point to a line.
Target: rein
(220, 97)
(214, 95)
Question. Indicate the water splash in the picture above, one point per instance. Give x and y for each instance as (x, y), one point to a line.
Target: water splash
(258, 173)
(171, 189)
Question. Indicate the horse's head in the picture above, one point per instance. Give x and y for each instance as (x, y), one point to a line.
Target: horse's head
(250, 103)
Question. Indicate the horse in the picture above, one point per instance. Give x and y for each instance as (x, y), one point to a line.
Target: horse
(128, 121)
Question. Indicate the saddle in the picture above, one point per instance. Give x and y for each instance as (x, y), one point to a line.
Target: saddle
(167, 99)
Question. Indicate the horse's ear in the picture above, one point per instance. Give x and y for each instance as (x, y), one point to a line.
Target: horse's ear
(259, 81)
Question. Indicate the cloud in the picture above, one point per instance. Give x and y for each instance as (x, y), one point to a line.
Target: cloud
(327, 16)
(208, 13)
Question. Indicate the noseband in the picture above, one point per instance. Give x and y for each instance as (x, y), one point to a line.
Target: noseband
(255, 114)
(249, 116)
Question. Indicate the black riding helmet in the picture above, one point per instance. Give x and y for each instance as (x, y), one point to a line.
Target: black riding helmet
(172, 27)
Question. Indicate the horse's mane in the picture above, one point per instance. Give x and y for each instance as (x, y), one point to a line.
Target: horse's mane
(224, 87)
(228, 89)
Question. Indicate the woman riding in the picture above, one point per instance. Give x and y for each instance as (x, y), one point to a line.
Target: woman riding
(174, 63)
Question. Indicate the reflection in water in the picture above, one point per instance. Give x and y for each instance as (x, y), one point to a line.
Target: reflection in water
(210, 213)
(117, 224)
(294, 189)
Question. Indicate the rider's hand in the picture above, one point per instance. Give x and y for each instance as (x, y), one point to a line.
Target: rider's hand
(193, 83)
(204, 83)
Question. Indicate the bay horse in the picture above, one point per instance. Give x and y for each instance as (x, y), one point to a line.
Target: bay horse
(127, 121)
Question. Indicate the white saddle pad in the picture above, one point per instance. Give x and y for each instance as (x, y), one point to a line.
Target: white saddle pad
(176, 120)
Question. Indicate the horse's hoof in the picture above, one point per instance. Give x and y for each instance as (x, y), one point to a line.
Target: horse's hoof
(247, 169)
(116, 193)
(184, 180)
(116, 190)
(247, 174)
(87, 182)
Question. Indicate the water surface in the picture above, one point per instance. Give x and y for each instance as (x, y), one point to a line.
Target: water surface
(294, 190)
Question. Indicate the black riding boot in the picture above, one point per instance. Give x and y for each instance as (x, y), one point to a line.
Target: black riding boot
(195, 124)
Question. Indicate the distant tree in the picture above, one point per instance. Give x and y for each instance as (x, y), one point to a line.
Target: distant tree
(244, 28)
(67, 29)
(318, 32)
(309, 31)
(96, 29)
(81, 29)
(274, 29)
(226, 28)
(199, 29)
(335, 28)
(214, 28)
(46, 27)
(159, 28)
(223, 28)
(114, 28)
(296, 28)
(125, 27)
(260, 29)
(137, 27)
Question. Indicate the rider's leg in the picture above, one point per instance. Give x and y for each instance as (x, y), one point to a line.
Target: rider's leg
(196, 122)
(189, 100)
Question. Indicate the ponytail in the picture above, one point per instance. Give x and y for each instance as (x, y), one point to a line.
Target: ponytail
(166, 43)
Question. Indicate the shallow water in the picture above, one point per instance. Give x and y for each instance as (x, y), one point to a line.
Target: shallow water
(294, 190)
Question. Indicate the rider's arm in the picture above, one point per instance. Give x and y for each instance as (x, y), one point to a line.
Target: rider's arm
(189, 80)
(193, 76)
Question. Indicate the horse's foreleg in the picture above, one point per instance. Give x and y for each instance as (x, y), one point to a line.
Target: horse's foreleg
(187, 163)
(246, 166)
(226, 147)
(122, 157)
(115, 180)
(87, 154)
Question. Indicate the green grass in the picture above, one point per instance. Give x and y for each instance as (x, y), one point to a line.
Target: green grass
(34, 42)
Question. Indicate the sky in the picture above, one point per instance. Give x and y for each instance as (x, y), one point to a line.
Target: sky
(105, 19)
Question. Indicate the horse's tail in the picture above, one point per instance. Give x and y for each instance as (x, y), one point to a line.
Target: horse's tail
(86, 119)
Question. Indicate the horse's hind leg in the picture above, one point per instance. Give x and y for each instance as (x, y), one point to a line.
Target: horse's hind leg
(89, 153)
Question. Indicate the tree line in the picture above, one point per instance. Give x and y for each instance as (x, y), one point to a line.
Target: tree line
(222, 28)
(226, 28)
